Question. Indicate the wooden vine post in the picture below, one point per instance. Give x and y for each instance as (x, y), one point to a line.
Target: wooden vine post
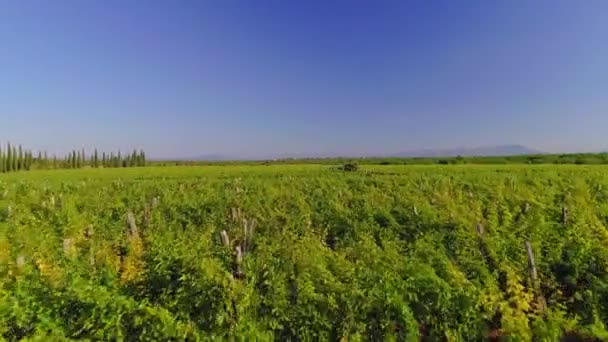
(243, 246)
(531, 262)
(131, 225)
(534, 277)
(239, 250)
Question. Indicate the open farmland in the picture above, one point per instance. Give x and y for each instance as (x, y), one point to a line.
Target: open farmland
(305, 252)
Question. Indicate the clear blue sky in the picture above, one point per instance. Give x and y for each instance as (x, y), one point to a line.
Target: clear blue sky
(251, 78)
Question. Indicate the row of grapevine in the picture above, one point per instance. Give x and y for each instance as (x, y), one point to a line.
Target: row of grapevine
(306, 253)
(15, 158)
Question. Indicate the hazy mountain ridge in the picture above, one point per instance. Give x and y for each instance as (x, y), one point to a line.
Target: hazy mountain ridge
(483, 151)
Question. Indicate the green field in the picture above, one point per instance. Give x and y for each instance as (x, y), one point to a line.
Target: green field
(385, 253)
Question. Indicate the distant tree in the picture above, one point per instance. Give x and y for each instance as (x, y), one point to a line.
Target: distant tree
(74, 160)
(20, 159)
(25, 160)
(15, 156)
(133, 159)
(142, 158)
(350, 167)
(78, 159)
(9, 158)
(2, 161)
(95, 159)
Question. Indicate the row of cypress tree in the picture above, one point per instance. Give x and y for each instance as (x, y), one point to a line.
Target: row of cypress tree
(78, 159)
(14, 158)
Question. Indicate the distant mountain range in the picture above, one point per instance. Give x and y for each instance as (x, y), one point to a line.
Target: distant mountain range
(499, 150)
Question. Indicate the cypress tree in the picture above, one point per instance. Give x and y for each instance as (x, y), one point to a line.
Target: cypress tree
(20, 159)
(9, 158)
(143, 158)
(2, 161)
(74, 160)
(54, 161)
(14, 158)
(95, 159)
(103, 159)
(28, 160)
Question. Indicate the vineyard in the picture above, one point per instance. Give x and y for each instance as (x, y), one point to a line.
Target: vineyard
(305, 252)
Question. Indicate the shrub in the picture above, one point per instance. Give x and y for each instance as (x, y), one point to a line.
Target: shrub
(350, 167)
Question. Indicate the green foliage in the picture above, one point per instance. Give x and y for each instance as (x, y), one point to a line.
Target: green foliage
(392, 253)
(350, 167)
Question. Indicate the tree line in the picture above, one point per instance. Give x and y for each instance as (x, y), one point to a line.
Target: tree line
(15, 158)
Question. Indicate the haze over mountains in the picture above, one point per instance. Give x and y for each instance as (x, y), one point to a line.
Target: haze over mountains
(499, 150)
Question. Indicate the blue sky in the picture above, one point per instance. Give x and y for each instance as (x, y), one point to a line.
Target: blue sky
(259, 78)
